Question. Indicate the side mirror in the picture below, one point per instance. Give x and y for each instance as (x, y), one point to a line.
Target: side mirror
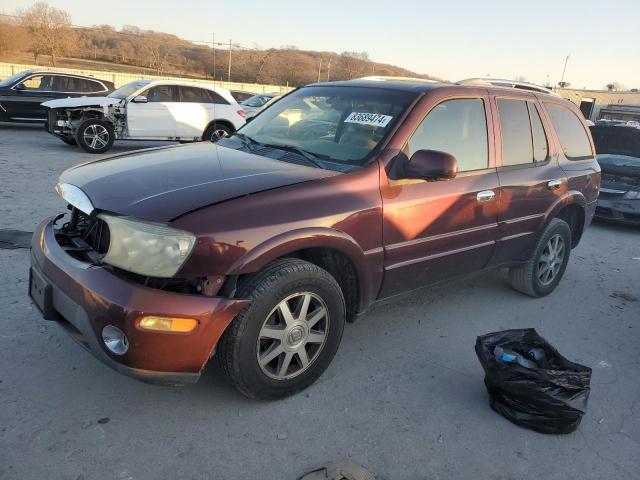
(140, 99)
(431, 165)
(20, 86)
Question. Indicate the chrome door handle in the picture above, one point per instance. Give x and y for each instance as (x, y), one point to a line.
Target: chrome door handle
(554, 184)
(485, 195)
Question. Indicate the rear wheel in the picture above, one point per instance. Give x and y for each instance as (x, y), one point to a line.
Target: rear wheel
(216, 131)
(542, 273)
(95, 135)
(286, 337)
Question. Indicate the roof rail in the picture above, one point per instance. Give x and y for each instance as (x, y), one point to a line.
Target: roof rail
(499, 82)
(383, 78)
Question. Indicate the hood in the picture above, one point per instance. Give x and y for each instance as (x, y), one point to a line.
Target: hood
(164, 183)
(81, 102)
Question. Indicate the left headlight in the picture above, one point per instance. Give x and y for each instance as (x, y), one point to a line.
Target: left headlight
(632, 195)
(146, 248)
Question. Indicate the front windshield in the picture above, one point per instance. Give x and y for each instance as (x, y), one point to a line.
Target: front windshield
(338, 124)
(617, 145)
(128, 89)
(9, 81)
(255, 101)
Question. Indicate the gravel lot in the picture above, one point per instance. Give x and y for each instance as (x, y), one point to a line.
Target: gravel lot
(404, 396)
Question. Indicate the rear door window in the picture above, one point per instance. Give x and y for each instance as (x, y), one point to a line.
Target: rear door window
(89, 86)
(457, 127)
(66, 84)
(515, 128)
(571, 133)
(540, 143)
(194, 95)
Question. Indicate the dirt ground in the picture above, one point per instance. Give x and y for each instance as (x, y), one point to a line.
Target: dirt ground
(404, 396)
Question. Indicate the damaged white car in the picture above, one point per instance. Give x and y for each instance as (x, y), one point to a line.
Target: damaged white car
(145, 110)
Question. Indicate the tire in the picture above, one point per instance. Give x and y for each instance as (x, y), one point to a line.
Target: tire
(216, 131)
(92, 128)
(69, 140)
(537, 278)
(289, 281)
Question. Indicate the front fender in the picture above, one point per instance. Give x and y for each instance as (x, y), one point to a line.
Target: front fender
(290, 242)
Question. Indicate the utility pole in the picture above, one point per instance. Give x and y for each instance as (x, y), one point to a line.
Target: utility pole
(566, 60)
(213, 46)
(319, 70)
(329, 69)
(229, 75)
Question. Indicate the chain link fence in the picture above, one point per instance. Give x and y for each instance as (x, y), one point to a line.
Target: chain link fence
(120, 78)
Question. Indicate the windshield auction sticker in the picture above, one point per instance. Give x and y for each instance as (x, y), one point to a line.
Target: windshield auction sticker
(372, 119)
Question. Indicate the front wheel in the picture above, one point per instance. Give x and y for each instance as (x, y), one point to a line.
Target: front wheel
(95, 135)
(216, 131)
(286, 337)
(542, 273)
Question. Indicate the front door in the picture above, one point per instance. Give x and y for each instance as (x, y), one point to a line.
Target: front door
(435, 230)
(530, 178)
(24, 103)
(153, 119)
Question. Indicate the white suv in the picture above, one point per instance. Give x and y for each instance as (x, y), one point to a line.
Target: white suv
(145, 110)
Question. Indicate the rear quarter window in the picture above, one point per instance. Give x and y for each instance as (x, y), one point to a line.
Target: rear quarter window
(571, 133)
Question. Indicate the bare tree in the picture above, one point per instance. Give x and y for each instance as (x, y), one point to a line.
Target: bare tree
(614, 86)
(49, 30)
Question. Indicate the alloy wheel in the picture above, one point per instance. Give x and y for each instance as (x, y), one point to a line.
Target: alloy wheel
(551, 260)
(96, 136)
(218, 133)
(293, 335)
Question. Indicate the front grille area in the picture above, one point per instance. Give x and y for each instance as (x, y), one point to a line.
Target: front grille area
(51, 120)
(84, 237)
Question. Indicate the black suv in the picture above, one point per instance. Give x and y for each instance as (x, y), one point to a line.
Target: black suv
(22, 93)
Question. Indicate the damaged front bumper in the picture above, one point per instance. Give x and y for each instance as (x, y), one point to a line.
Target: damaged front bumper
(84, 298)
(613, 206)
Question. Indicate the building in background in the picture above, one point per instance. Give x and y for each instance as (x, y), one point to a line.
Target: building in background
(602, 104)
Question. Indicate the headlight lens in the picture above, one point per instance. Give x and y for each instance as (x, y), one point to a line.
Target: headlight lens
(632, 194)
(146, 248)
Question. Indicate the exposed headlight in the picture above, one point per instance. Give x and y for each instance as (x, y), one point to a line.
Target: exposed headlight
(632, 194)
(146, 248)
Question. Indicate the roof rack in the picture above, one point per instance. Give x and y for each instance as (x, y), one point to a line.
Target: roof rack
(383, 78)
(500, 82)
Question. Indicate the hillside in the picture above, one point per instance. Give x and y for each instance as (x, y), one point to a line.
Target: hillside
(136, 50)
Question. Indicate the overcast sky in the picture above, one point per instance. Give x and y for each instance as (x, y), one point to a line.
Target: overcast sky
(450, 39)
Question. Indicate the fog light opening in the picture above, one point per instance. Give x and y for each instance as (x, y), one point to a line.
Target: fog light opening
(115, 340)
(168, 324)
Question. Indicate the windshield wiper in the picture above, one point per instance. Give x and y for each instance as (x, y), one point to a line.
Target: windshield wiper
(247, 141)
(310, 157)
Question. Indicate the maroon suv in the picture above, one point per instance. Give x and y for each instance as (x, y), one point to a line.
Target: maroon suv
(259, 247)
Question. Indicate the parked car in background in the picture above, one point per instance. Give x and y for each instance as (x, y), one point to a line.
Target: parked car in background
(256, 103)
(259, 247)
(146, 110)
(240, 95)
(618, 153)
(22, 94)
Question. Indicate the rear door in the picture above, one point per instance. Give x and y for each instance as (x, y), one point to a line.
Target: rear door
(153, 119)
(435, 230)
(194, 111)
(531, 179)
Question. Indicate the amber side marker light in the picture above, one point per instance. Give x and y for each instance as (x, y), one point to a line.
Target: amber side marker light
(168, 324)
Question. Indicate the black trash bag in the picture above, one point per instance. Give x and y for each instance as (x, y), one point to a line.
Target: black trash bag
(551, 398)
